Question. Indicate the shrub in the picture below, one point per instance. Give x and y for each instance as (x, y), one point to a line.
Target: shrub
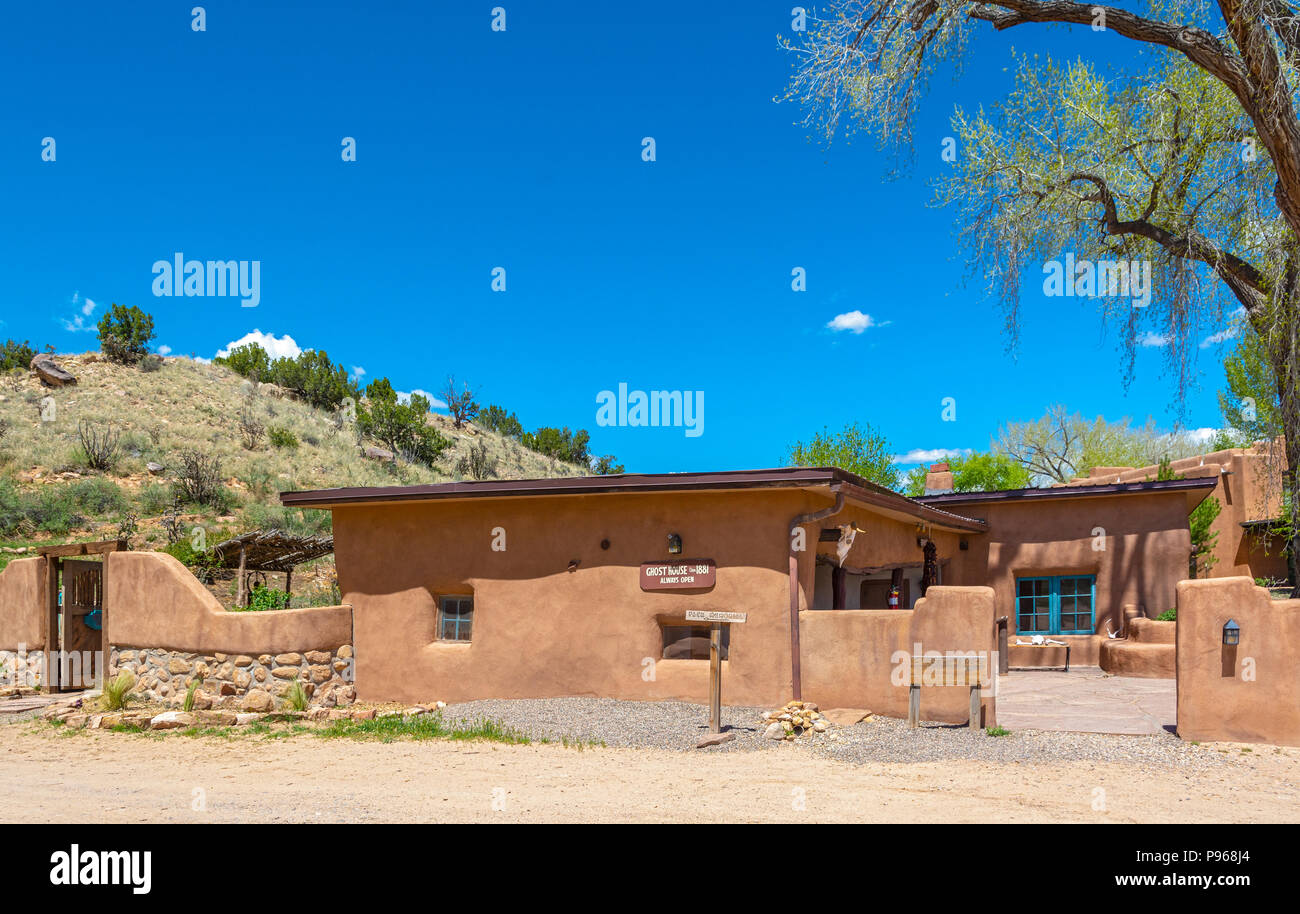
(498, 420)
(562, 444)
(188, 704)
(11, 507)
(250, 429)
(124, 334)
(1169, 615)
(200, 562)
(249, 361)
(263, 598)
(296, 696)
(97, 496)
(198, 481)
(281, 437)
(401, 427)
(15, 356)
(117, 691)
(151, 362)
(99, 445)
(155, 498)
(477, 463)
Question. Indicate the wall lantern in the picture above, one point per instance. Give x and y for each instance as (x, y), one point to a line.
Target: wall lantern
(1231, 632)
(674, 544)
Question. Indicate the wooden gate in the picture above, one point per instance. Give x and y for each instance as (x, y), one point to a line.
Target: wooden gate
(82, 615)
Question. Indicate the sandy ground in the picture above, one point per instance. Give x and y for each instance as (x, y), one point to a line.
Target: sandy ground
(49, 776)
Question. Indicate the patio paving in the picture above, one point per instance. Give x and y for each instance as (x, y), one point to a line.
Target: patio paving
(1086, 700)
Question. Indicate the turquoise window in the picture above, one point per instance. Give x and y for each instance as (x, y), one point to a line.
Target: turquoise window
(455, 618)
(1060, 605)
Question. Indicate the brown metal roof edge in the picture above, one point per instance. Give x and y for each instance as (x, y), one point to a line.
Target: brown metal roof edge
(784, 477)
(1113, 488)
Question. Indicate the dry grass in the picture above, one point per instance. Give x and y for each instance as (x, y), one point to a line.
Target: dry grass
(194, 405)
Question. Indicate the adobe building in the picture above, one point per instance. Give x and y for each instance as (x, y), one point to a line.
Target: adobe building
(580, 586)
(1249, 485)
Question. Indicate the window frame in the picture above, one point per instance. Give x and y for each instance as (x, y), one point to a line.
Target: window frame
(1054, 604)
(459, 618)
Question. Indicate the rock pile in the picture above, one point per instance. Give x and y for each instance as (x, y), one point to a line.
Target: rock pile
(795, 719)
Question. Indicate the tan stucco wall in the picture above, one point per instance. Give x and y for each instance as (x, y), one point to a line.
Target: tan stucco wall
(542, 630)
(1147, 545)
(21, 591)
(151, 600)
(850, 661)
(1250, 694)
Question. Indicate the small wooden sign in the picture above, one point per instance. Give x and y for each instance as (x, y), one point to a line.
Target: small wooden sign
(704, 615)
(683, 574)
(950, 670)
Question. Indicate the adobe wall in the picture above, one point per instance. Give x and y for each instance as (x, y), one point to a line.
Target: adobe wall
(1147, 545)
(1248, 693)
(857, 658)
(543, 630)
(21, 589)
(165, 627)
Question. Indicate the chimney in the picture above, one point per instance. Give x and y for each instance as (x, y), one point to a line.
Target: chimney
(939, 480)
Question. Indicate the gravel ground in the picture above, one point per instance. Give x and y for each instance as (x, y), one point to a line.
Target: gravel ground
(679, 726)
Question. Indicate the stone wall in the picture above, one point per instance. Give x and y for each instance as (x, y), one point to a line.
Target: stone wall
(244, 681)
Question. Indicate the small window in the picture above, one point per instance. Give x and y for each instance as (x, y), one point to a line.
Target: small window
(455, 618)
(691, 642)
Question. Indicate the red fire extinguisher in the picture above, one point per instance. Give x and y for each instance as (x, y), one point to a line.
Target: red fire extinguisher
(894, 600)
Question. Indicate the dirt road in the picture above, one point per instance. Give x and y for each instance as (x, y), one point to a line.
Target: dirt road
(49, 776)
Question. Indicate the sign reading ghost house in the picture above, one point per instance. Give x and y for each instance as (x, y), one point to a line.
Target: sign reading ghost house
(683, 574)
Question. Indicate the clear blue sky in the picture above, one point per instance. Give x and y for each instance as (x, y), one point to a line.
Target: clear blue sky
(522, 149)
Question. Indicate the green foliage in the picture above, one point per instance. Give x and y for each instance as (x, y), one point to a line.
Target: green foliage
(154, 498)
(58, 509)
(979, 472)
(188, 703)
(857, 448)
(117, 691)
(250, 361)
(16, 356)
(259, 516)
(997, 731)
(262, 598)
(1250, 406)
(124, 334)
(605, 466)
(462, 406)
(310, 375)
(1203, 538)
(296, 696)
(200, 561)
(281, 437)
(1169, 615)
(496, 419)
(403, 428)
(420, 727)
(560, 444)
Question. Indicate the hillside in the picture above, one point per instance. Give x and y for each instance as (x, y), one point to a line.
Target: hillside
(48, 493)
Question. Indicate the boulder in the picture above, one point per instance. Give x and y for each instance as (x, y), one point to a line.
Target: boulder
(172, 720)
(154, 467)
(45, 368)
(258, 701)
(378, 453)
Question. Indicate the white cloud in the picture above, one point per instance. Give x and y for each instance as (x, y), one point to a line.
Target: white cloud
(1150, 339)
(164, 350)
(404, 396)
(853, 321)
(1202, 435)
(79, 322)
(1231, 332)
(358, 372)
(931, 455)
(277, 348)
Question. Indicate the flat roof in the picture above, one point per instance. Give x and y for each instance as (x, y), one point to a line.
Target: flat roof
(854, 487)
(1190, 486)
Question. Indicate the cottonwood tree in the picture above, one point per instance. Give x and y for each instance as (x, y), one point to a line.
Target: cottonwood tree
(1191, 162)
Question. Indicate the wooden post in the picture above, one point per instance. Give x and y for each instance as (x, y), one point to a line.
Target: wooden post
(240, 587)
(1004, 662)
(914, 706)
(288, 587)
(975, 707)
(51, 662)
(715, 678)
(839, 582)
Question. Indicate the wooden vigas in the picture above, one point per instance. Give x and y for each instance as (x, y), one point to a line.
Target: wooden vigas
(955, 669)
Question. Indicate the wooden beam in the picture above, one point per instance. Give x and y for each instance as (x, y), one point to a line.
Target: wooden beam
(51, 683)
(102, 547)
